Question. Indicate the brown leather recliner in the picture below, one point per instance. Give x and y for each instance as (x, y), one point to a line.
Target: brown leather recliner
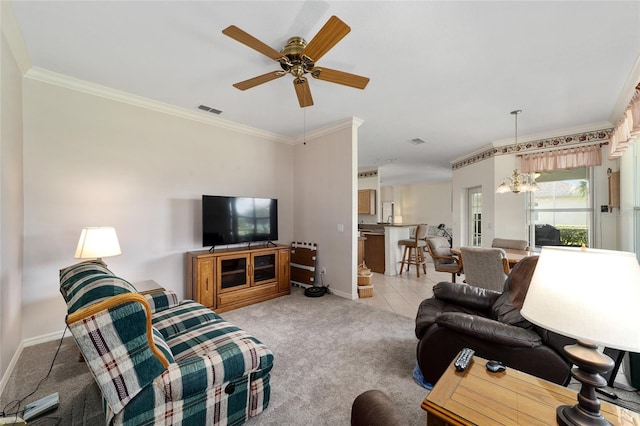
(489, 322)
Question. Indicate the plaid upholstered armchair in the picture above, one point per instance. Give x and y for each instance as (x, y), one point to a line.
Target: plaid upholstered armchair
(160, 361)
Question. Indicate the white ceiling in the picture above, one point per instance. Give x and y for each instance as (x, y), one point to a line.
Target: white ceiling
(448, 72)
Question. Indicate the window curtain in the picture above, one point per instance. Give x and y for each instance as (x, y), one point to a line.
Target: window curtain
(561, 159)
(627, 129)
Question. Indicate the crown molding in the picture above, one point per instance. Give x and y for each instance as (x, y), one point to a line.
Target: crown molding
(628, 90)
(61, 80)
(349, 123)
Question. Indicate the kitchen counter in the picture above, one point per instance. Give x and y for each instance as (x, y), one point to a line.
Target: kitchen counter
(392, 232)
(393, 252)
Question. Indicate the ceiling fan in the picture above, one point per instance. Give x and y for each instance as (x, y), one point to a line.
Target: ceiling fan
(299, 58)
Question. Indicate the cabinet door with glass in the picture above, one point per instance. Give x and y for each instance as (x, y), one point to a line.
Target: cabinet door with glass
(233, 272)
(264, 268)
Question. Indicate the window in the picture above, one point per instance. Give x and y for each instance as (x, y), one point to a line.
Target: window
(475, 216)
(560, 212)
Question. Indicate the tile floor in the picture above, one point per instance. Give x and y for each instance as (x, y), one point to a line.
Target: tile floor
(403, 293)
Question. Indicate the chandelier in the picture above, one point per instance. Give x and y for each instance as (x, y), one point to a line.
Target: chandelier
(518, 182)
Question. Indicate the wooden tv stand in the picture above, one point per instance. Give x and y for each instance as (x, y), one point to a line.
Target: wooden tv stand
(231, 278)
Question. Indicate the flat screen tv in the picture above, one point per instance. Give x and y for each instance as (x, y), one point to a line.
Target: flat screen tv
(235, 220)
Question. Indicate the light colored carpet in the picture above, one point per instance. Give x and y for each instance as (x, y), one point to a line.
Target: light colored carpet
(327, 351)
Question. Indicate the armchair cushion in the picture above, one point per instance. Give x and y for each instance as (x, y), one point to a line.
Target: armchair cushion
(185, 316)
(507, 308)
(161, 300)
(489, 330)
(465, 295)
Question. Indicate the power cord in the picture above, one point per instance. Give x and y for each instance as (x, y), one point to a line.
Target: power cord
(18, 402)
(326, 288)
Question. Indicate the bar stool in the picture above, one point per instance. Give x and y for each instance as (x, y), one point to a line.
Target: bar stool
(413, 253)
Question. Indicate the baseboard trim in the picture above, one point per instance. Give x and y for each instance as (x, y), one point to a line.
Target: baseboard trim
(340, 293)
(12, 365)
(56, 335)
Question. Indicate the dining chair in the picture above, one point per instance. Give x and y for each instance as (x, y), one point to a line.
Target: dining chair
(443, 259)
(413, 253)
(507, 243)
(485, 267)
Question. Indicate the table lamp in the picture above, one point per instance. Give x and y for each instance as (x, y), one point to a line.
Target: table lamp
(593, 296)
(97, 242)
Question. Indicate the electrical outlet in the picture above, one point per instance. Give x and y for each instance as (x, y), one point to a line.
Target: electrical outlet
(323, 271)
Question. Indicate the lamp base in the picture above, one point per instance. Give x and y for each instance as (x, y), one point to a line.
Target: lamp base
(590, 364)
(567, 415)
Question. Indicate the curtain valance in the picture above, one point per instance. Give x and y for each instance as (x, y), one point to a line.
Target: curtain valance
(561, 159)
(627, 129)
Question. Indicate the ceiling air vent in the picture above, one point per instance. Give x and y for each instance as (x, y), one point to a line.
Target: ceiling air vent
(417, 141)
(209, 109)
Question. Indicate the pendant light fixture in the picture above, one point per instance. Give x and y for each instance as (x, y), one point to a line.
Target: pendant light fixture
(518, 182)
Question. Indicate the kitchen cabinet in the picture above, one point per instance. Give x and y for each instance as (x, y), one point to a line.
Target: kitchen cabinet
(374, 252)
(367, 201)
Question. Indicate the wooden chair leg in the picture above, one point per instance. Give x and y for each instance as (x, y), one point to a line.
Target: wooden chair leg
(404, 255)
(423, 260)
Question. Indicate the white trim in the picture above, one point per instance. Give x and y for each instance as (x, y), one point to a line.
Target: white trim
(61, 80)
(331, 128)
(56, 335)
(341, 294)
(626, 94)
(12, 365)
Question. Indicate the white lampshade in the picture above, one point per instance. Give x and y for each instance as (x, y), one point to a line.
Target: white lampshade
(97, 242)
(588, 294)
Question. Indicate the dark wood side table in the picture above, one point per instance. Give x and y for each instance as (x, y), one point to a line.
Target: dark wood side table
(478, 397)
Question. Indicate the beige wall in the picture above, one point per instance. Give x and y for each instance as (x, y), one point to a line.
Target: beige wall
(425, 202)
(93, 161)
(11, 206)
(325, 207)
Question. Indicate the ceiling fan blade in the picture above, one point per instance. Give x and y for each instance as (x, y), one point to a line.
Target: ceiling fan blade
(250, 41)
(255, 81)
(303, 92)
(340, 77)
(329, 35)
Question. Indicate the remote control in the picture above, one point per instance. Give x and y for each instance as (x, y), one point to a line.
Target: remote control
(464, 359)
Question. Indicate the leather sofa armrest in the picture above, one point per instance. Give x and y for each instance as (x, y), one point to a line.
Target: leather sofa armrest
(465, 295)
(489, 330)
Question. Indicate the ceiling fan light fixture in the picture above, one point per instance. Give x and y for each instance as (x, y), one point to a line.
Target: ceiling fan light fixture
(298, 58)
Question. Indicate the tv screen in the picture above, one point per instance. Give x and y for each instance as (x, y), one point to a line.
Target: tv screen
(234, 220)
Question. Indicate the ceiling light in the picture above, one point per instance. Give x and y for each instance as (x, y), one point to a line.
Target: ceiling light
(518, 182)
